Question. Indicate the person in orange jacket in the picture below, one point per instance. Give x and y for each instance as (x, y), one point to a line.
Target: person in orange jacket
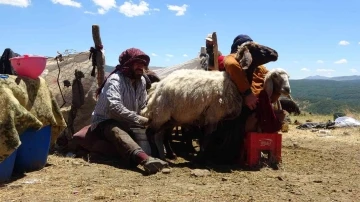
(249, 91)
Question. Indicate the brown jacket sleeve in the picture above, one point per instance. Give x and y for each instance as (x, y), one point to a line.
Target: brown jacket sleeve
(237, 74)
(258, 79)
(258, 83)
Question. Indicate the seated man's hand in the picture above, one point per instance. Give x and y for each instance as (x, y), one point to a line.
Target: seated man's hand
(280, 114)
(251, 101)
(143, 120)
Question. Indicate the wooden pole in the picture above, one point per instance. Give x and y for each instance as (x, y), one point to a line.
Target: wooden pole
(100, 58)
(216, 51)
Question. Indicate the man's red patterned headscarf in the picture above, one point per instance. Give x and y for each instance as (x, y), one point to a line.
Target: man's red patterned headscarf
(126, 61)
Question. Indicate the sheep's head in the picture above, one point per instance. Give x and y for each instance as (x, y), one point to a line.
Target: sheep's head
(253, 54)
(277, 81)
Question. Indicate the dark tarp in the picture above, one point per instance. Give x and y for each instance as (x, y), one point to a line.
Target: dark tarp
(5, 65)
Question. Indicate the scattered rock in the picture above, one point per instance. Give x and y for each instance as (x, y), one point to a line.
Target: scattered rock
(70, 155)
(225, 178)
(200, 172)
(191, 189)
(280, 178)
(314, 130)
(166, 170)
(318, 181)
(346, 133)
(76, 163)
(324, 133)
(296, 145)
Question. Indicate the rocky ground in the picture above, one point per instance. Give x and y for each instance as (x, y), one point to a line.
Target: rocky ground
(315, 167)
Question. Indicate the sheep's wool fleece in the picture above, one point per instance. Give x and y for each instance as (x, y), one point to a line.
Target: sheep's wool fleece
(193, 97)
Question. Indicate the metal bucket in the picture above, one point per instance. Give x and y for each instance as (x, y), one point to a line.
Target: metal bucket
(139, 135)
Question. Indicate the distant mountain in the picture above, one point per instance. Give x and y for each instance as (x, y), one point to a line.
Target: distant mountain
(317, 77)
(338, 78)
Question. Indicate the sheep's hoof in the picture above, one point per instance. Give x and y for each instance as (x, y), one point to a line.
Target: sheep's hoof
(171, 156)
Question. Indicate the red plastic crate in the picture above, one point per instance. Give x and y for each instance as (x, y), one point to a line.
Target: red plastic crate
(255, 143)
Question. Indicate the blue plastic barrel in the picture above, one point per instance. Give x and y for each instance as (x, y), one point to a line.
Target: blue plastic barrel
(6, 167)
(34, 149)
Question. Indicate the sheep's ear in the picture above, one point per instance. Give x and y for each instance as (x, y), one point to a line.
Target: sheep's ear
(246, 59)
(268, 86)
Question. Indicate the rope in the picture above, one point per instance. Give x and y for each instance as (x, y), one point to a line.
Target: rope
(92, 56)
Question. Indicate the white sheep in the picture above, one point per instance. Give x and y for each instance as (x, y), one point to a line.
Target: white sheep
(197, 97)
(192, 96)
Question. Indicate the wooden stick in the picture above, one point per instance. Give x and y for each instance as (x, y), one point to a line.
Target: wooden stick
(100, 58)
(216, 51)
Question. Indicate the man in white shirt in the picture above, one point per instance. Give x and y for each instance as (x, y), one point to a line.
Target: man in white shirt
(120, 100)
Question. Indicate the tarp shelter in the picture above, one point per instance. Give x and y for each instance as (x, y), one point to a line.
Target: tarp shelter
(191, 64)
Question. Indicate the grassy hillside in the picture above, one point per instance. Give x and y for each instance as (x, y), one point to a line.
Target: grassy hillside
(327, 96)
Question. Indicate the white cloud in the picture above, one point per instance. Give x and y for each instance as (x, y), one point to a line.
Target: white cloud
(325, 70)
(344, 43)
(169, 55)
(185, 55)
(105, 5)
(180, 10)
(153, 54)
(305, 69)
(130, 9)
(353, 70)
(342, 61)
(320, 61)
(156, 9)
(359, 43)
(89, 12)
(18, 3)
(67, 3)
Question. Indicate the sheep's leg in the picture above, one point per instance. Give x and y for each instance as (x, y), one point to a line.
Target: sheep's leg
(205, 139)
(167, 140)
(188, 132)
(159, 142)
(157, 139)
(150, 133)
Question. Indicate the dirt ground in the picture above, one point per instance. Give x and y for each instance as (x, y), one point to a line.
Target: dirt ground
(315, 167)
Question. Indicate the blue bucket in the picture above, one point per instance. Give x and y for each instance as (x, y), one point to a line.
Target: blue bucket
(34, 149)
(6, 167)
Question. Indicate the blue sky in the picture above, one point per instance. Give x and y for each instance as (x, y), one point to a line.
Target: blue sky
(312, 37)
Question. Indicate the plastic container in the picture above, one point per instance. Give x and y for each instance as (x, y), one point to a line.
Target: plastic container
(34, 149)
(6, 167)
(262, 142)
(141, 139)
(29, 65)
